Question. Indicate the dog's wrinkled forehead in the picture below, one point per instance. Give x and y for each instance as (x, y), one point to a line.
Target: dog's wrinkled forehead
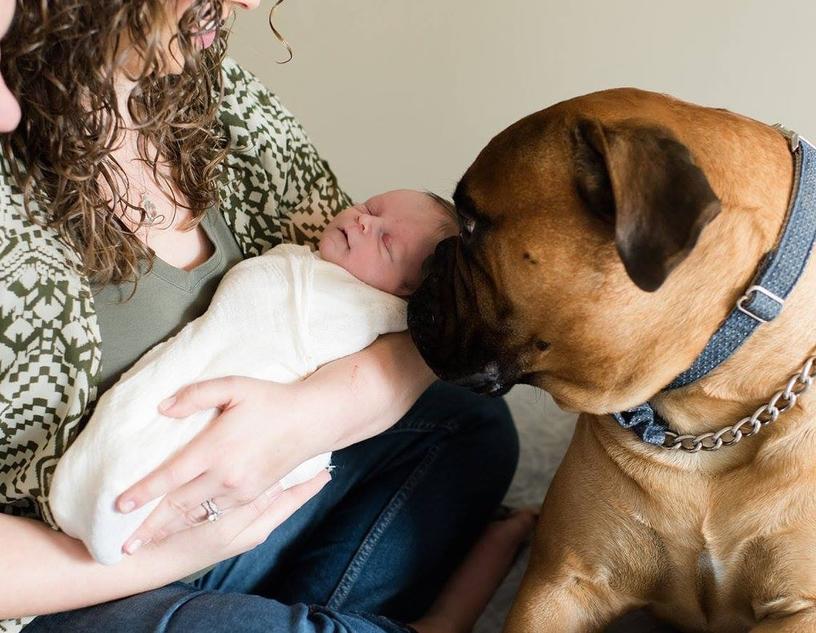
(519, 190)
(516, 163)
(594, 166)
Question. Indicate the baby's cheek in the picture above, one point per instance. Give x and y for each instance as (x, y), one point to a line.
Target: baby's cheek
(328, 251)
(389, 279)
(374, 274)
(323, 249)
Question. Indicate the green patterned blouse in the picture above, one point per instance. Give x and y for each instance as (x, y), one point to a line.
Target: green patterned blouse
(276, 189)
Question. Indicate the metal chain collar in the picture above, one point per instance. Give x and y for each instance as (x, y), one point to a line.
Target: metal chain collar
(781, 402)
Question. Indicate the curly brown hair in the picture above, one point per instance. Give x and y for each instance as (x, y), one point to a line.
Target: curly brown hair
(62, 59)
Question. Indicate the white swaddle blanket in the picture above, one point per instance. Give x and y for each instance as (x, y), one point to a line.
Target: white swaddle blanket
(276, 317)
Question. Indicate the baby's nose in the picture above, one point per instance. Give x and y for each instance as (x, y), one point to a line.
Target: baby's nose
(367, 222)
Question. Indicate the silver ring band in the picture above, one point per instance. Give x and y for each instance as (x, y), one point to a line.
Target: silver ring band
(213, 513)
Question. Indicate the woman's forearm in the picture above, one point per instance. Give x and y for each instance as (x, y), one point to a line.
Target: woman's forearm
(358, 396)
(43, 571)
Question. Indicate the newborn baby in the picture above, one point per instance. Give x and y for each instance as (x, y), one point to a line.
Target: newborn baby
(276, 317)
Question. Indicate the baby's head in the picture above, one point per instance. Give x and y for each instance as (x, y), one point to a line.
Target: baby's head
(385, 240)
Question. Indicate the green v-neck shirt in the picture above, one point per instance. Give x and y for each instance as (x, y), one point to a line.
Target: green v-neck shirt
(166, 299)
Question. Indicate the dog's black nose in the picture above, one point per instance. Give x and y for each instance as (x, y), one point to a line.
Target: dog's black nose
(487, 381)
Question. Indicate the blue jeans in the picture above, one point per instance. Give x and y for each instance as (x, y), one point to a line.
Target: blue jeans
(370, 551)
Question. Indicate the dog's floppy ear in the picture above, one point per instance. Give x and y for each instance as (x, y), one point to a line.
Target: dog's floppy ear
(639, 177)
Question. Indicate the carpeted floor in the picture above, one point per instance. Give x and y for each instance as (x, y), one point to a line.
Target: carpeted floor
(545, 431)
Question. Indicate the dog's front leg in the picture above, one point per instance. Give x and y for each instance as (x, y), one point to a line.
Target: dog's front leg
(591, 559)
(567, 602)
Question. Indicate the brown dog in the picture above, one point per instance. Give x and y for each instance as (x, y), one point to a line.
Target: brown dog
(603, 242)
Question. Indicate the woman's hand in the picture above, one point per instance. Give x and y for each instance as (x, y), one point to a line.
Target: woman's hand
(266, 429)
(238, 531)
(236, 460)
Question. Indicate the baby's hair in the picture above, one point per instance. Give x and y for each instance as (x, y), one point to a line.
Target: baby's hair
(449, 221)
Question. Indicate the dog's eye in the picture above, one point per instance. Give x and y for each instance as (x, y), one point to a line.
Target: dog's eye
(468, 225)
(469, 217)
(541, 345)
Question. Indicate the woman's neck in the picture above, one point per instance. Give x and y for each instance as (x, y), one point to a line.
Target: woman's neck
(140, 181)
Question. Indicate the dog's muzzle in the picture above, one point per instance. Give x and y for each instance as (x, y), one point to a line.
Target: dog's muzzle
(446, 327)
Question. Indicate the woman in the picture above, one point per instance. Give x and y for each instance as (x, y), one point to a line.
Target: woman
(144, 167)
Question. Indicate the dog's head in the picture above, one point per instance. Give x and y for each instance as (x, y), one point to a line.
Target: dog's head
(572, 223)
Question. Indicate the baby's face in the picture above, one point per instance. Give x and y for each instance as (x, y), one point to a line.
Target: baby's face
(384, 240)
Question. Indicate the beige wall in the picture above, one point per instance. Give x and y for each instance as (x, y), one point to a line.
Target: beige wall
(405, 92)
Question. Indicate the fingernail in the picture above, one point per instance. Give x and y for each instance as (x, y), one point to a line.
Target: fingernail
(167, 403)
(131, 547)
(127, 506)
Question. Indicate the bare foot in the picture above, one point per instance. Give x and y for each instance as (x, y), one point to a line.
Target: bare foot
(468, 591)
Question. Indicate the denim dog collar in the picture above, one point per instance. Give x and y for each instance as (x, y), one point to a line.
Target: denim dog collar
(764, 299)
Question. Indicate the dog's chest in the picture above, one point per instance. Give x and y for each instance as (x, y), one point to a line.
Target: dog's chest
(703, 593)
(730, 570)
